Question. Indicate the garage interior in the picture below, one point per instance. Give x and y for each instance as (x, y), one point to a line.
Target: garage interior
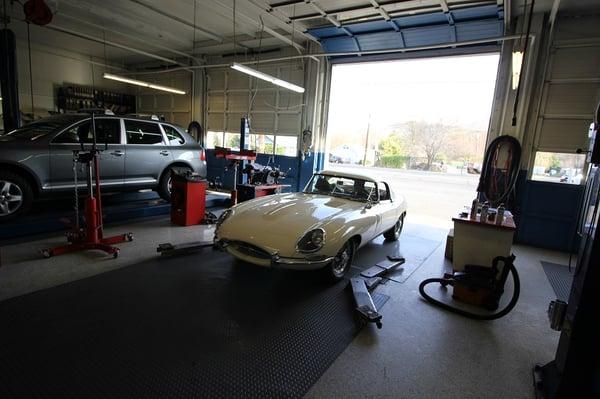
(152, 151)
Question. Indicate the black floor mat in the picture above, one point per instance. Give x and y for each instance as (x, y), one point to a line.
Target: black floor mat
(560, 279)
(186, 327)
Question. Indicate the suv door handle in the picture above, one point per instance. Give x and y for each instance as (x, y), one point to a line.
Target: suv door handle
(164, 152)
(117, 153)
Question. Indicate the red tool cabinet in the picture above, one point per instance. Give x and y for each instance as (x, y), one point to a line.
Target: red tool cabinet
(188, 199)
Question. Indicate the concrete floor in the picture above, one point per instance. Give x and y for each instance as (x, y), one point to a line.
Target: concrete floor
(421, 352)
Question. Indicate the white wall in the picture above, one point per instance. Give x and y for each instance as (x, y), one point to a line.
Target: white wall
(52, 68)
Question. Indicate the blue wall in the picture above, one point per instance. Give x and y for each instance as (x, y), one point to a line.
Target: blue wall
(297, 177)
(546, 213)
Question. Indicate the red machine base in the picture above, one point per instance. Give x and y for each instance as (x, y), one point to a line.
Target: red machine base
(104, 244)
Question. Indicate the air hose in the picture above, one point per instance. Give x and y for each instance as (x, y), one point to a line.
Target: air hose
(477, 316)
(496, 183)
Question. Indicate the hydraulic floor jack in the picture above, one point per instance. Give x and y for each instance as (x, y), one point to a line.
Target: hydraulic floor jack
(92, 236)
(365, 282)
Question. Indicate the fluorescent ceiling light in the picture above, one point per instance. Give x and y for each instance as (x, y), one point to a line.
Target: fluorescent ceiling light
(268, 78)
(141, 83)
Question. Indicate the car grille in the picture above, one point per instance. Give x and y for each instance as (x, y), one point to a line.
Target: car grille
(251, 250)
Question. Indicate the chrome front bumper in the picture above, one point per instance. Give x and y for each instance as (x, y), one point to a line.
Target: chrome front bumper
(274, 260)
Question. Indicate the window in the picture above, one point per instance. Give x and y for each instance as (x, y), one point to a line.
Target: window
(107, 131)
(214, 139)
(262, 143)
(559, 167)
(173, 136)
(232, 140)
(384, 192)
(336, 186)
(143, 133)
(286, 145)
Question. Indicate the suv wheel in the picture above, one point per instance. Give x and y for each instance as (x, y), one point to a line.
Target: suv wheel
(16, 195)
(164, 185)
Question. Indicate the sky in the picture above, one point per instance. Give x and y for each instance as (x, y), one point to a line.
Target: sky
(453, 90)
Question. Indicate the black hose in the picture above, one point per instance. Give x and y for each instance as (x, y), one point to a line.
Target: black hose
(488, 178)
(476, 316)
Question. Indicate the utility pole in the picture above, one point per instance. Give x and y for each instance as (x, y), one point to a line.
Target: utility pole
(367, 141)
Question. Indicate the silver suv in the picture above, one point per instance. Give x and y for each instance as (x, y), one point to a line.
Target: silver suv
(37, 159)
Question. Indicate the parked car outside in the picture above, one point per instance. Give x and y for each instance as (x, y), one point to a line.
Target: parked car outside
(319, 228)
(37, 159)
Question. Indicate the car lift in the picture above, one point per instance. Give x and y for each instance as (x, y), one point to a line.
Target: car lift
(92, 237)
(366, 282)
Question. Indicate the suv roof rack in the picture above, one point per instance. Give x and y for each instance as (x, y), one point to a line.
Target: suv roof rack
(95, 111)
(147, 116)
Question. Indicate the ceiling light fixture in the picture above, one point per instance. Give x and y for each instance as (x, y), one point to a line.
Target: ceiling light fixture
(141, 83)
(517, 64)
(268, 78)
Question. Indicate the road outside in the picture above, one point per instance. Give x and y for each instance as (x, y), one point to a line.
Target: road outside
(433, 197)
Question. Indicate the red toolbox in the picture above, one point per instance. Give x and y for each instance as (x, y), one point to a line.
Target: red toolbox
(188, 199)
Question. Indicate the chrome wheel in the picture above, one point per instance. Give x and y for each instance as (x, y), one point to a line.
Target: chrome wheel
(11, 197)
(342, 260)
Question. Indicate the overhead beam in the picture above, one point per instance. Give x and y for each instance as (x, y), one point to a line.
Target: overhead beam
(129, 36)
(113, 44)
(280, 18)
(142, 27)
(260, 25)
(408, 10)
(205, 32)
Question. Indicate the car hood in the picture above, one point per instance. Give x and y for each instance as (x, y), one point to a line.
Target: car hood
(277, 222)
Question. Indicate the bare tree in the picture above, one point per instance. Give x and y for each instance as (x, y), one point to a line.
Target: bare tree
(429, 138)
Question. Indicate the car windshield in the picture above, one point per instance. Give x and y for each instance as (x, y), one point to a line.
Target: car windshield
(36, 130)
(345, 187)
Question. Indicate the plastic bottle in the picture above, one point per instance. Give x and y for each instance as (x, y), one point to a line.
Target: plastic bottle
(500, 214)
(474, 207)
(484, 212)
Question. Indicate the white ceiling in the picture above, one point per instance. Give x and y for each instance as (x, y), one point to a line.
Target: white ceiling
(166, 28)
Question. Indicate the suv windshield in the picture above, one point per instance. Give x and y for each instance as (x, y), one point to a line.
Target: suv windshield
(35, 130)
(345, 187)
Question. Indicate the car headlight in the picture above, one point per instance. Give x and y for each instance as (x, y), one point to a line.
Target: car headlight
(223, 217)
(312, 241)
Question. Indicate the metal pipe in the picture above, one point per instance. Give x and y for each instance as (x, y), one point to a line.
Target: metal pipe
(352, 53)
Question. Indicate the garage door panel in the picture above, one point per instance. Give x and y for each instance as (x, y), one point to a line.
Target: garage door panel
(164, 102)
(572, 99)
(216, 102)
(215, 122)
(146, 101)
(181, 102)
(237, 102)
(427, 36)
(264, 100)
(576, 63)
(233, 122)
(237, 80)
(262, 123)
(289, 124)
(563, 135)
(290, 99)
(216, 80)
(181, 118)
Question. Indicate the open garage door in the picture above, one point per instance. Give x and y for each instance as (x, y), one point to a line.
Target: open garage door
(421, 124)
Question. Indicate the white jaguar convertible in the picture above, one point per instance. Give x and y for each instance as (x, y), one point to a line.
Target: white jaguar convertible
(322, 227)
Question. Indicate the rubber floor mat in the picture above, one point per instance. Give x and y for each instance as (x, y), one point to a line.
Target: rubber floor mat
(195, 326)
(560, 279)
